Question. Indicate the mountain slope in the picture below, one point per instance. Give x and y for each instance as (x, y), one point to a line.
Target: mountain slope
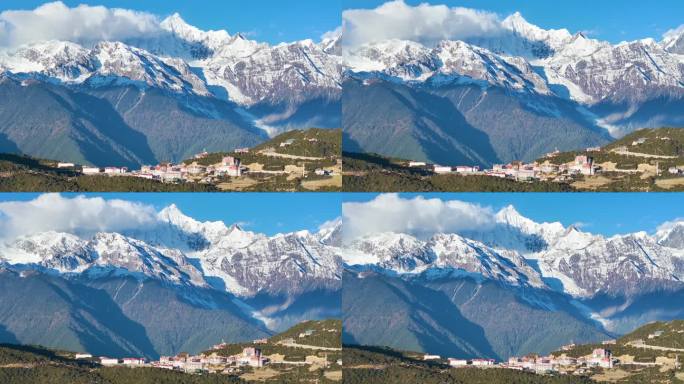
(460, 124)
(163, 97)
(178, 284)
(527, 286)
(528, 90)
(115, 126)
(458, 316)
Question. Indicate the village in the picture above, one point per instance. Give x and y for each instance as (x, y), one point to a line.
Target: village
(564, 364)
(520, 171)
(229, 166)
(249, 361)
(546, 169)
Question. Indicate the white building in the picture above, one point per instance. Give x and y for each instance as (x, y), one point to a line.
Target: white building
(134, 361)
(458, 362)
(583, 164)
(193, 366)
(466, 169)
(287, 142)
(107, 361)
(548, 168)
(639, 141)
(601, 357)
(441, 169)
(83, 356)
(482, 362)
(115, 170)
(196, 169)
(525, 174)
(252, 356)
(416, 164)
(65, 165)
(431, 357)
(229, 170)
(90, 170)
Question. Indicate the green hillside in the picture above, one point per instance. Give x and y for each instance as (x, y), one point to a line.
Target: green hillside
(326, 333)
(327, 145)
(33, 364)
(672, 334)
(19, 173)
(314, 142)
(627, 349)
(657, 141)
(385, 365)
(364, 172)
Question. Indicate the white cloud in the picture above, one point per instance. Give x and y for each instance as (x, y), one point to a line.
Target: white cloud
(329, 224)
(423, 23)
(417, 216)
(675, 32)
(81, 24)
(334, 34)
(79, 215)
(668, 225)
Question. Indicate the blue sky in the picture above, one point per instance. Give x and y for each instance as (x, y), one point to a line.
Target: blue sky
(272, 21)
(610, 20)
(604, 213)
(268, 213)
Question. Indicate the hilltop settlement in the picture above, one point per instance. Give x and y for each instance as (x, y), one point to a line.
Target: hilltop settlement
(308, 352)
(648, 159)
(649, 354)
(297, 160)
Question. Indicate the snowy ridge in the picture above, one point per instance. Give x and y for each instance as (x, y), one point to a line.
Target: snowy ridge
(106, 63)
(525, 58)
(185, 60)
(520, 252)
(441, 255)
(182, 251)
(448, 62)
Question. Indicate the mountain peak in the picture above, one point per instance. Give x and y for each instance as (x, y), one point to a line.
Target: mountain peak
(175, 23)
(174, 215)
(516, 18)
(510, 214)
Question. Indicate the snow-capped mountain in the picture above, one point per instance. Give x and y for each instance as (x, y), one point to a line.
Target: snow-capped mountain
(184, 59)
(104, 253)
(439, 256)
(448, 62)
(538, 60)
(510, 280)
(519, 252)
(173, 93)
(177, 284)
(106, 64)
(184, 252)
(613, 82)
